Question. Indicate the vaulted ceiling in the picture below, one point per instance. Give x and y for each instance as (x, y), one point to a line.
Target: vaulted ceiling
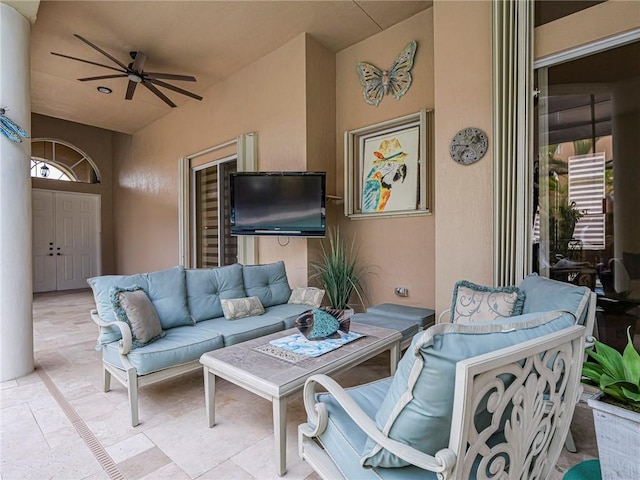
(210, 40)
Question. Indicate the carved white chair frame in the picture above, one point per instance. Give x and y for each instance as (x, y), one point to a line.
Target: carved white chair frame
(540, 415)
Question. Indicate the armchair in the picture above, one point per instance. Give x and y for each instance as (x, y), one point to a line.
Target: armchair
(510, 409)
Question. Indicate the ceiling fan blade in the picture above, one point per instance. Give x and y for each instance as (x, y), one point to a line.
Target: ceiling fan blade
(131, 88)
(87, 61)
(138, 62)
(110, 57)
(170, 76)
(175, 89)
(159, 94)
(102, 77)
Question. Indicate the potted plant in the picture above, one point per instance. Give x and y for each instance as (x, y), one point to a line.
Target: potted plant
(338, 272)
(616, 410)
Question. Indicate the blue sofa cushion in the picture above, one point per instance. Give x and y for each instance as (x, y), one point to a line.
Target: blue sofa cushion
(287, 312)
(242, 329)
(179, 345)
(207, 286)
(543, 294)
(166, 289)
(345, 442)
(419, 404)
(267, 282)
(168, 293)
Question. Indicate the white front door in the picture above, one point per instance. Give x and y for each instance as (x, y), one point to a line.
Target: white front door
(44, 262)
(65, 240)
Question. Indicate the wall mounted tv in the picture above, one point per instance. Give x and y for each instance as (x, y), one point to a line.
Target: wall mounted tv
(278, 203)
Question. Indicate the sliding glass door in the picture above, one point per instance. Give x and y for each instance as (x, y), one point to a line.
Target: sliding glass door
(587, 178)
(213, 245)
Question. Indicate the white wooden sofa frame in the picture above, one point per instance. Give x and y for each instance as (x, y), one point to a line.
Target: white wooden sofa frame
(129, 377)
(472, 376)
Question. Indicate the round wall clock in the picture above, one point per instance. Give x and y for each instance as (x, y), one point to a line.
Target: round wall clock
(468, 145)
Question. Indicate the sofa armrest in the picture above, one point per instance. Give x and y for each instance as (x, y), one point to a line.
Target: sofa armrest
(124, 345)
(444, 460)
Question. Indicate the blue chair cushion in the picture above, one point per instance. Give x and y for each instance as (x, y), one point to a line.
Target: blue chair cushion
(543, 294)
(419, 404)
(345, 442)
(267, 282)
(179, 345)
(207, 286)
(166, 289)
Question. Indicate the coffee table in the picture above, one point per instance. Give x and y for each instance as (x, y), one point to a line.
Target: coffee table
(275, 379)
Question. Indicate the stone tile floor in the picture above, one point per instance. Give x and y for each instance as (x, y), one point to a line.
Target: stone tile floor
(50, 417)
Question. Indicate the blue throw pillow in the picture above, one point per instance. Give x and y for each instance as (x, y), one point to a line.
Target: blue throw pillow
(267, 282)
(418, 407)
(132, 306)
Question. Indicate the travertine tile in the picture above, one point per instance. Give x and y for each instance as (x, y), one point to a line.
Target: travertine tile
(48, 415)
(196, 448)
(144, 463)
(129, 447)
(229, 470)
(169, 472)
(8, 384)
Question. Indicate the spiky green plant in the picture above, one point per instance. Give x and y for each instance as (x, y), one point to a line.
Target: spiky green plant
(615, 374)
(338, 270)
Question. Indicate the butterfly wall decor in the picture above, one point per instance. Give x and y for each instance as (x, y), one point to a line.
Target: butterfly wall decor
(395, 81)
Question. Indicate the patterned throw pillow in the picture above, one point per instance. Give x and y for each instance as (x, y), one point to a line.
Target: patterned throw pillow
(307, 296)
(476, 303)
(235, 308)
(132, 306)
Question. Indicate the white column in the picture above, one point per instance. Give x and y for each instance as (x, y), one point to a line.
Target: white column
(16, 315)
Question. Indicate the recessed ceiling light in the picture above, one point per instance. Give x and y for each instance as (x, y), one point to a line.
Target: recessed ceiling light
(105, 90)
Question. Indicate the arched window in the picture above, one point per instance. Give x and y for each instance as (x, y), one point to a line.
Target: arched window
(59, 160)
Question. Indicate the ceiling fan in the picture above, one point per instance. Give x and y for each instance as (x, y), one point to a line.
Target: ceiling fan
(135, 73)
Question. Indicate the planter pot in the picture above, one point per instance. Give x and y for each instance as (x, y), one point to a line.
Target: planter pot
(618, 437)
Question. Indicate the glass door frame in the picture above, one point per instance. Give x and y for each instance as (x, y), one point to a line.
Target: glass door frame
(220, 213)
(539, 135)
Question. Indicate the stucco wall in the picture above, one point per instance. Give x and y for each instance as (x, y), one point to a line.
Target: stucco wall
(464, 193)
(97, 143)
(268, 97)
(399, 251)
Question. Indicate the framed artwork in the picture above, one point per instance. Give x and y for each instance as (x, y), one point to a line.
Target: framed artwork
(387, 167)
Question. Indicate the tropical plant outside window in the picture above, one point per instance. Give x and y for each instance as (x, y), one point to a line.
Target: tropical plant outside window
(58, 160)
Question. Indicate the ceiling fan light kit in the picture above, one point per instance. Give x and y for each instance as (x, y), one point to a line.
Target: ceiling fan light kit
(135, 74)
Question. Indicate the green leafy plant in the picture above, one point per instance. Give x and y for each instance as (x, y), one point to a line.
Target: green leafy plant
(615, 374)
(338, 270)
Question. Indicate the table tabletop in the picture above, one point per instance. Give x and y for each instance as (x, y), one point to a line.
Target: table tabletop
(277, 377)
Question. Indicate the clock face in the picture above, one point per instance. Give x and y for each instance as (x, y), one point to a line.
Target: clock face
(468, 145)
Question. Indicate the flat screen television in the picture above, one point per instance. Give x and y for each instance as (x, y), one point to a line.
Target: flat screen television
(278, 203)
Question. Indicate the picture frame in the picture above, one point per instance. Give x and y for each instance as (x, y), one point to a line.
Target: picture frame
(387, 168)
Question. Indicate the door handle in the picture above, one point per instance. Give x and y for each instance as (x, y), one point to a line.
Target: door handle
(59, 253)
(51, 254)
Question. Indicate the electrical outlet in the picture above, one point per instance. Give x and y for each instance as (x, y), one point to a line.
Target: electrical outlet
(401, 291)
